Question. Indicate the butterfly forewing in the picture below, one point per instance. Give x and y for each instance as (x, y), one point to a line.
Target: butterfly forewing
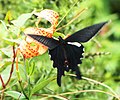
(49, 42)
(85, 34)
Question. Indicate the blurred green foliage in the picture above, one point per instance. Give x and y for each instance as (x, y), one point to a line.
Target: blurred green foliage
(38, 78)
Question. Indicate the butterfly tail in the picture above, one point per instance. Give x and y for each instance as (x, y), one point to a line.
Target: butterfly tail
(78, 73)
(59, 75)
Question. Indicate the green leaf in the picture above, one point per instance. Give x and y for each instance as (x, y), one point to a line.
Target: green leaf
(15, 94)
(3, 23)
(12, 41)
(15, 30)
(4, 64)
(8, 16)
(7, 51)
(32, 68)
(22, 19)
(42, 84)
(57, 34)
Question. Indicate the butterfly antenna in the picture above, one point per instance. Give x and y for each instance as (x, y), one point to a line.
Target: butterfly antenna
(67, 13)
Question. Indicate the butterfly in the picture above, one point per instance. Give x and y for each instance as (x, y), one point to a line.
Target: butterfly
(67, 53)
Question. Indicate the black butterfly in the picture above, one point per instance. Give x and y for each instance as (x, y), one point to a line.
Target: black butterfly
(67, 53)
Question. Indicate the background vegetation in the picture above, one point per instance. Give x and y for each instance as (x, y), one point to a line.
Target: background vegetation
(36, 76)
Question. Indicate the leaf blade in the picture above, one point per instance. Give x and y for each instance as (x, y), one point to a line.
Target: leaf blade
(15, 94)
(42, 84)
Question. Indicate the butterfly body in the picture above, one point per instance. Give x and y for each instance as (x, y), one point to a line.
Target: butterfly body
(67, 53)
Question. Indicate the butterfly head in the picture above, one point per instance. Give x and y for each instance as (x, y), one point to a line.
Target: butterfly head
(61, 40)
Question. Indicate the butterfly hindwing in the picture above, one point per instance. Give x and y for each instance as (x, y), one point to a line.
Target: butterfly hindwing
(49, 42)
(74, 54)
(85, 34)
(66, 57)
(57, 55)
